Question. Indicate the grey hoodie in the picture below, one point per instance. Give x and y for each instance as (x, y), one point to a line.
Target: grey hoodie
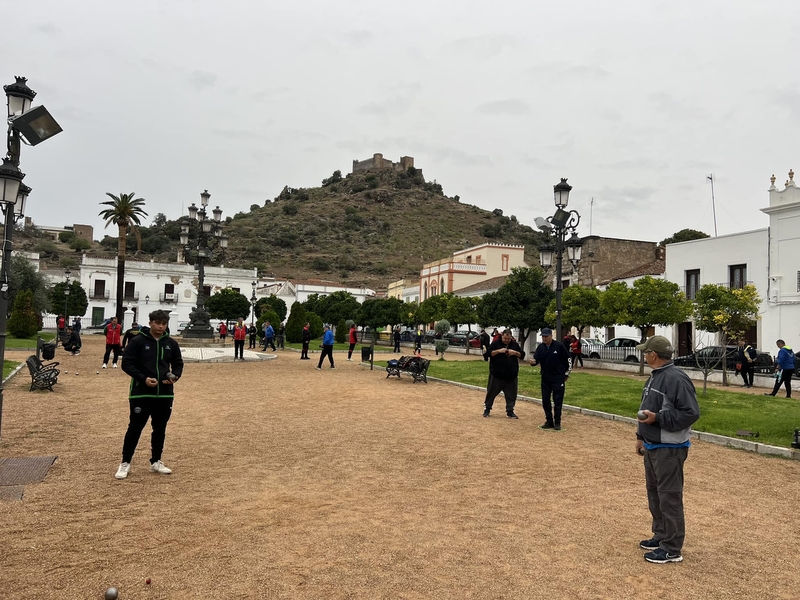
(671, 395)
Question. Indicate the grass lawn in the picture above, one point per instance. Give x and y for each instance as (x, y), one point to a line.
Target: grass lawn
(12, 342)
(317, 345)
(8, 366)
(721, 411)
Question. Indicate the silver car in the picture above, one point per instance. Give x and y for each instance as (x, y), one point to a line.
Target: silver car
(622, 349)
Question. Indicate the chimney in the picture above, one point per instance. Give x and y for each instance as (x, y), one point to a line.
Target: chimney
(661, 252)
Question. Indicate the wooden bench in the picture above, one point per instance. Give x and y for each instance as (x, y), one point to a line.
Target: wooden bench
(43, 376)
(413, 365)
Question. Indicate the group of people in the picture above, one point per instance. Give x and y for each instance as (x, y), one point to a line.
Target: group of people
(668, 409)
(785, 365)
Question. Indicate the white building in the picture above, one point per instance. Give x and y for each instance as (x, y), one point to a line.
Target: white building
(767, 258)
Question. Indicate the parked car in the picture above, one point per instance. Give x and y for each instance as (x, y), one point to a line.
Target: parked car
(408, 335)
(710, 357)
(181, 326)
(429, 337)
(459, 338)
(588, 345)
(620, 348)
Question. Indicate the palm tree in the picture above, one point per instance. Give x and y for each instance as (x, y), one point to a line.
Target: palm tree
(125, 212)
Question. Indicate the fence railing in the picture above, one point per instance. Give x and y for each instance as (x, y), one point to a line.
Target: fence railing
(97, 294)
(168, 298)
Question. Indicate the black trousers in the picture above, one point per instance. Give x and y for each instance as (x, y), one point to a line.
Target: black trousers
(158, 410)
(663, 472)
(72, 347)
(350, 351)
(747, 373)
(495, 386)
(786, 379)
(574, 357)
(238, 348)
(552, 413)
(117, 350)
(252, 341)
(326, 351)
(269, 341)
(397, 345)
(304, 351)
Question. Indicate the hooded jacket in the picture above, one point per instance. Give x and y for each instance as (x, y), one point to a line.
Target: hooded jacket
(785, 358)
(671, 395)
(144, 357)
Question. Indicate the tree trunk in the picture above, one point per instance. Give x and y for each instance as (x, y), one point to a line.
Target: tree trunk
(469, 331)
(641, 358)
(121, 251)
(725, 358)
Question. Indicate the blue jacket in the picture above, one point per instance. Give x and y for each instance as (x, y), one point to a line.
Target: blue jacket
(327, 339)
(269, 332)
(785, 358)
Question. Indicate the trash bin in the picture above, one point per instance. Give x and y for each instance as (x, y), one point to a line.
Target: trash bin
(48, 351)
(365, 353)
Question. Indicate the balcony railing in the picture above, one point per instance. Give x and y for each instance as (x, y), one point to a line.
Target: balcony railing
(168, 298)
(726, 284)
(99, 294)
(131, 296)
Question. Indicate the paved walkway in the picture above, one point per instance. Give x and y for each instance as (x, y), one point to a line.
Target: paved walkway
(220, 355)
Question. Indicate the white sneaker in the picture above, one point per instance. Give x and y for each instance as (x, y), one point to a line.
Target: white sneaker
(123, 470)
(115, 365)
(350, 359)
(105, 366)
(160, 467)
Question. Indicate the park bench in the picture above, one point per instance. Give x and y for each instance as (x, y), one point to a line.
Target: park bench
(43, 375)
(415, 366)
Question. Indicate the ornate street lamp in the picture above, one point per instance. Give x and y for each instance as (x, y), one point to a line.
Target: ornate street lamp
(35, 125)
(557, 227)
(209, 235)
(67, 273)
(253, 303)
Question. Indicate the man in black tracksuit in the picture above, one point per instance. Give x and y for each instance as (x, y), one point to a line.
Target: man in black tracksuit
(504, 356)
(306, 339)
(554, 361)
(153, 360)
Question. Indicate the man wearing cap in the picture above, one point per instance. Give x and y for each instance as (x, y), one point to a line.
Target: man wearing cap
(504, 356)
(669, 403)
(553, 358)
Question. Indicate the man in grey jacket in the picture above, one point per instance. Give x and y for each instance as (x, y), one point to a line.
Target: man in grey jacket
(668, 409)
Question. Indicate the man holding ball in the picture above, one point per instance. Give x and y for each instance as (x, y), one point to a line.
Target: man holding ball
(668, 409)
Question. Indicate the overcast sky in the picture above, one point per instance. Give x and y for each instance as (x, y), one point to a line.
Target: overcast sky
(636, 102)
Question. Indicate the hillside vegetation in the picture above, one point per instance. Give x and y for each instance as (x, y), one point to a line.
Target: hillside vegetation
(363, 229)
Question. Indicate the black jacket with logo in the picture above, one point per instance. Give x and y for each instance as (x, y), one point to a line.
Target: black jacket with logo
(144, 357)
(554, 361)
(502, 365)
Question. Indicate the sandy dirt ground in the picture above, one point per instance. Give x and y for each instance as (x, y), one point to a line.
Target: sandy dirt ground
(295, 483)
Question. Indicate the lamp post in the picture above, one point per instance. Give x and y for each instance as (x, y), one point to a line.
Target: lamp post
(35, 125)
(210, 235)
(67, 273)
(253, 303)
(557, 227)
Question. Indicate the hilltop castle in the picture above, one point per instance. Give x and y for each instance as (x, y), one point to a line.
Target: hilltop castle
(377, 162)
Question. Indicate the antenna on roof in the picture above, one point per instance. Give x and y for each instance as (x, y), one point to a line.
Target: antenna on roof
(713, 203)
(591, 207)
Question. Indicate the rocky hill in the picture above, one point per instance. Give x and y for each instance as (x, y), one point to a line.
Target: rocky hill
(363, 229)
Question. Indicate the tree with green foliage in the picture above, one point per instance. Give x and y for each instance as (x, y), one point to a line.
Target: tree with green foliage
(580, 308)
(76, 302)
(408, 314)
(295, 323)
(228, 304)
(684, 235)
(376, 313)
(310, 303)
(521, 302)
(125, 212)
(267, 315)
(433, 308)
(441, 327)
(614, 303)
(727, 312)
(79, 244)
(277, 304)
(23, 322)
(315, 325)
(462, 311)
(340, 335)
(24, 276)
(337, 306)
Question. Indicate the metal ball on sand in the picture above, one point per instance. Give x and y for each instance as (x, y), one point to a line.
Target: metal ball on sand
(112, 594)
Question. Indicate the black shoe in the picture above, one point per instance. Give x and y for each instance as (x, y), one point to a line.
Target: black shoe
(547, 426)
(486, 412)
(768, 394)
(557, 427)
(651, 544)
(661, 556)
(511, 415)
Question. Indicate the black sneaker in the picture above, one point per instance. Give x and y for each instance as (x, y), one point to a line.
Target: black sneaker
(511, 415)
(651, 544)
(662, 556)
(547, 426)
(557, 427)
(486, 412)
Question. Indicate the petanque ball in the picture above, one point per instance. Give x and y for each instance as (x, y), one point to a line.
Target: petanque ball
(98, 372)
(147, 581)
(641, 415)
(112, 594)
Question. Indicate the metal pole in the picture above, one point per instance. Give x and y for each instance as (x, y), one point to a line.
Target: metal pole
(8, 230)
(559, 255)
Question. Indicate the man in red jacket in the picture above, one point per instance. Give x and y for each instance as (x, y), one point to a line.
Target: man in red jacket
(239, 336)
(353, 341)
(113, 333)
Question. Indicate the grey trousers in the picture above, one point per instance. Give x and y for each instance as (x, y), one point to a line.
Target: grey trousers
(663, 472)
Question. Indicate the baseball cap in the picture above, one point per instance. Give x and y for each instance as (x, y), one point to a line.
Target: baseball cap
(547, 331)
(657, 343)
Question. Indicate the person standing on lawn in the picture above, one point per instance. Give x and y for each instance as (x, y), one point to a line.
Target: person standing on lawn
(505, 354)
(153, 360)
(113, 333)
(327, 347)
(239, 336)
(784, 369)
(396, 339)
(353, 339)
(305, 337)
(669, 402)
(576, 353)
(554, 362)
(745, 357)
